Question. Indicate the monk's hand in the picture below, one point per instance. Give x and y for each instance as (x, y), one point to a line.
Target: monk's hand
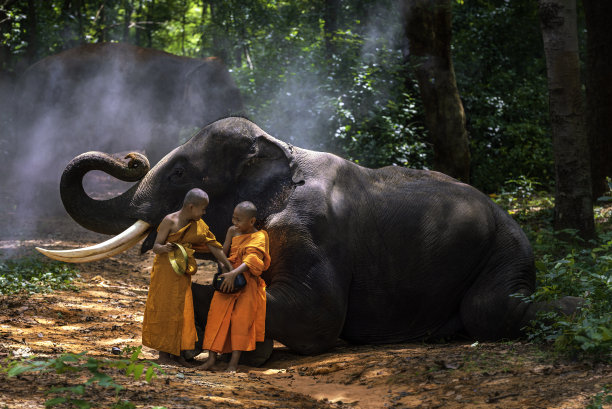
(159, 248)
(169, 247)
(228, 281)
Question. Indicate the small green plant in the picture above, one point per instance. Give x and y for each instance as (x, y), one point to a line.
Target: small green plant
(602, 398)
(585, 273)
(31, 275)
(524, 199)
(76, 363)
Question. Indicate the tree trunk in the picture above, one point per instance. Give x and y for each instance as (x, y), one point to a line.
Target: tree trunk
(100, 21)
(129, 9)
(330, 26)
(6, 25)
(149, 24)
(139, 18)
(219, 41)
(31, 33)
(202, 28)
(573, 202)
(599, 92)
(428, 31)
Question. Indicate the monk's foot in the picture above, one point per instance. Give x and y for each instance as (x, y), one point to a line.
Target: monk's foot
(231, 369)
(207, 366)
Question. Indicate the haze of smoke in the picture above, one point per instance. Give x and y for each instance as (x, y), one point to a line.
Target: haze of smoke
(303, 109)
(65, 109)
(106, 108)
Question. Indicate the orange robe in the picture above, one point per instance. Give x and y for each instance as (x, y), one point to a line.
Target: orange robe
(236, 321)
(169, 323)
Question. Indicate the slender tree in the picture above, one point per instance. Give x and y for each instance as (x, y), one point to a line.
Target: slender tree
(573, 202)
(6, 25)
(31, 32)
(428, 31)
(599, 91)
(330, 25)
(128, 7)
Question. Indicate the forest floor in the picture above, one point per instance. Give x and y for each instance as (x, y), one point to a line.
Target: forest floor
(107, 311)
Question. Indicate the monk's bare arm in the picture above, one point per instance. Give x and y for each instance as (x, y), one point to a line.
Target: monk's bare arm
(231, 232)
(220, 256)
(160, 246)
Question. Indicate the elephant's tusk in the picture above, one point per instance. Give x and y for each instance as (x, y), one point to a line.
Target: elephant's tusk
(116, 245)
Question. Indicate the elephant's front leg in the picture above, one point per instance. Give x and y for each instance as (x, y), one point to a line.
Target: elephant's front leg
(306, 307)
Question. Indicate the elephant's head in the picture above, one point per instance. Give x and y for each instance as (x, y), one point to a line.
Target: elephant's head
(232, 160)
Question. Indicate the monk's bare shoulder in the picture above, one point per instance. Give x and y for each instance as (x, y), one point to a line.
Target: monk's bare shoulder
(170, 222)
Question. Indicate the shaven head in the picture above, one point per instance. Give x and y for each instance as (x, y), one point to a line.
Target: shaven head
(195, 196)
(247, 208)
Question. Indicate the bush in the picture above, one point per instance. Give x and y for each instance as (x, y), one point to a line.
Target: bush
(31, 275)
(585, 273)
(73, 395)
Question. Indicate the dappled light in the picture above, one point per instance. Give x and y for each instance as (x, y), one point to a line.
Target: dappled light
(107, 312)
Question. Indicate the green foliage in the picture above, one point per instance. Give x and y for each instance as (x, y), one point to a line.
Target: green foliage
(602, 398)
(565, 266)
(33, 275)
(525, 199)
(583, 272)
(77, 363)
(501, 75)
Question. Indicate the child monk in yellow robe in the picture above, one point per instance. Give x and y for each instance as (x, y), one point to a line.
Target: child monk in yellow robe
(237, 321)
(169, 325)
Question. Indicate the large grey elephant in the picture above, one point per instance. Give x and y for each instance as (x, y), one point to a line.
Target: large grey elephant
(110, 97)
(369, 256)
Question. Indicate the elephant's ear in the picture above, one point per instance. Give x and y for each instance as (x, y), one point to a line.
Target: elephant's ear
(268, 174)
(267, 147)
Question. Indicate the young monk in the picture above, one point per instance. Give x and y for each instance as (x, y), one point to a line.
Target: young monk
(237, 321)
(169, 324)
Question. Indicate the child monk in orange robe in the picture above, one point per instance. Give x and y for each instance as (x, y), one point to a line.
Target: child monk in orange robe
(237, 321)
(169, 324)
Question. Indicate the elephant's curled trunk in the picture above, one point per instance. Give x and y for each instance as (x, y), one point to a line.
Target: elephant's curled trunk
(103, 216)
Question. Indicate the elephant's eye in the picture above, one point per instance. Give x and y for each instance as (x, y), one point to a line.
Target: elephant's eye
(177, 174)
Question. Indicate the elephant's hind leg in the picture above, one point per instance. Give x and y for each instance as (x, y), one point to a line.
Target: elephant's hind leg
(492, 308)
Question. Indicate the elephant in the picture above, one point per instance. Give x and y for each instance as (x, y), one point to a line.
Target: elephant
(369, 256)
(109, 97)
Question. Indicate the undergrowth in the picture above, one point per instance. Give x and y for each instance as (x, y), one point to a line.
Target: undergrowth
(75, 394)
(33, 275)
(566, 268)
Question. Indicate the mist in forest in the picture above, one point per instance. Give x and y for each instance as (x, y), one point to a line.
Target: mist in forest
(102, 98)
(93, 99)
(305, 108)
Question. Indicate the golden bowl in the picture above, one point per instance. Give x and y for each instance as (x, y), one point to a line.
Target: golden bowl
(178, 259)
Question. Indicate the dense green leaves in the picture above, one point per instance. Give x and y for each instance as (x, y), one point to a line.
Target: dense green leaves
(585, 273)
(501, 74)
(31, 275)
(97, 368)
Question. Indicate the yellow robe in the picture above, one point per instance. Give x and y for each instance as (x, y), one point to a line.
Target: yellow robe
(169, 323)
(237, 321)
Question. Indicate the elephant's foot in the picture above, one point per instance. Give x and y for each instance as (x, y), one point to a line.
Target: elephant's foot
(260, 355)
(567, 306)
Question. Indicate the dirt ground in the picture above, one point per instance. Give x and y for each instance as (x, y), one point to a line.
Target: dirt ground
(107, 312)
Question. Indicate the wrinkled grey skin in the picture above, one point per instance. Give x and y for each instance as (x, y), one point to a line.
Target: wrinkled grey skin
(370, 256)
